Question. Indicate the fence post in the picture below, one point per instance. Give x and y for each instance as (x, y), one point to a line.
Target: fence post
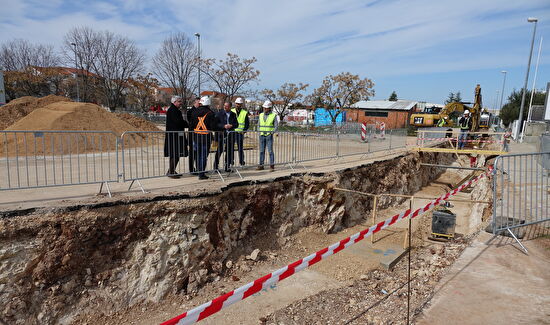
(337, 141)
(391, 133)
(293, 148)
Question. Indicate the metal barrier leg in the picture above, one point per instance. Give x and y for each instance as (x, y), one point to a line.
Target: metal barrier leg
(238, 173)
(220, 175)
(517, 240)
(107, 187)
(139, 183)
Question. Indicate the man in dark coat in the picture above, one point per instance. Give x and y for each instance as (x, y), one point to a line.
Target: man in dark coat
(175, 140)
(203, 122)
(227, 121)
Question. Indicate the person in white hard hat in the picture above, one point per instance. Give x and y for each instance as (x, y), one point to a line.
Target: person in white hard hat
(268, 126)
(465, 124)
(202, 123)
(243, 125)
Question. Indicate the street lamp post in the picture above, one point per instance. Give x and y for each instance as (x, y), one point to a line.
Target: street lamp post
(520, 122)
(76, 73)
(199, 62)
(502, 93)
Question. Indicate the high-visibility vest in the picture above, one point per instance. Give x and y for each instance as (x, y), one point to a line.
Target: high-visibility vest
(465, 124)
(241, 118)
(268, 126)
(201, 127)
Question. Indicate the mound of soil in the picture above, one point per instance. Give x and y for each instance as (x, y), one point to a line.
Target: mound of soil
(138, 122)
(64, 116)
(21, 107)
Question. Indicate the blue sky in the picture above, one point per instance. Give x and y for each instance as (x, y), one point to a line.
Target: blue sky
(421, 49)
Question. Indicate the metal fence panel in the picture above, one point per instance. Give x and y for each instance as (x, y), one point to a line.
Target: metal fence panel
(520, 191)
(32, 159)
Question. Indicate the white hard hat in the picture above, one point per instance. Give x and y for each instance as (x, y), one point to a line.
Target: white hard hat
(466, 111)
(239, 100)
(205, 101)
(267, 104)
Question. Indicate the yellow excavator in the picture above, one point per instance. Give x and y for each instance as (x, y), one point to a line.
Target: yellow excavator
(430, 118)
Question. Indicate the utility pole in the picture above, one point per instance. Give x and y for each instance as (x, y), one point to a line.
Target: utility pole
(520, 121)
(199, 56)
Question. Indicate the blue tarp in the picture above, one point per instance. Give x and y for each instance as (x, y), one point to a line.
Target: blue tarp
(322, 117)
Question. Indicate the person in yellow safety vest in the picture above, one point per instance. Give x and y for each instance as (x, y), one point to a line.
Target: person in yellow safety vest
(240, 131)
(203, 122)
(268, 126)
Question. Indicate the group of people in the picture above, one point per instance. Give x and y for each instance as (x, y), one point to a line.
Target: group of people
(227, 127)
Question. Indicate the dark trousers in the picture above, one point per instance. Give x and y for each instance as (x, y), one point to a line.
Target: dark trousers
(239, 138)
(226, 142)
(201, 147)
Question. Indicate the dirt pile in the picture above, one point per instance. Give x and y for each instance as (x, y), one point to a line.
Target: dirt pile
(138, 122)
(65, 116)
(21, 107)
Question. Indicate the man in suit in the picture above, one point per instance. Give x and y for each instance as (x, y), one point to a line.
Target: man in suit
(175, 139)
(226, 121)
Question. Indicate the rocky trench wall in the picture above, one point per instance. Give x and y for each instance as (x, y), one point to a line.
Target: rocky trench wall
(56, 264)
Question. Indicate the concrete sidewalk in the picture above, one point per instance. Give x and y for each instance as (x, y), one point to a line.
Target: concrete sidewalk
(494, 282)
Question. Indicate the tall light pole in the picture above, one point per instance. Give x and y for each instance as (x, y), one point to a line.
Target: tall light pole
(199, 62)
(76, 73)
(520, 122)
(534, 81)
(502, 93)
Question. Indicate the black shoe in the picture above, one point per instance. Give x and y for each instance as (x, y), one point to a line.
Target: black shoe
(243, 163)
(227, 170)
(272, 168)
(202, 176)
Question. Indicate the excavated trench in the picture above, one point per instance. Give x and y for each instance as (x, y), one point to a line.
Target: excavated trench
(57, 264)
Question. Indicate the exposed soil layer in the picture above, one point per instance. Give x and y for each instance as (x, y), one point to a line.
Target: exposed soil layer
(60, 264)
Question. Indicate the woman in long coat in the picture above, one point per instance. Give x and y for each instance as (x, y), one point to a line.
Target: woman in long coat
(175, 139)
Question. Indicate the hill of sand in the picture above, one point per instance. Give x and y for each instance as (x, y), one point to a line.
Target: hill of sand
(21, 107)
(67, 116)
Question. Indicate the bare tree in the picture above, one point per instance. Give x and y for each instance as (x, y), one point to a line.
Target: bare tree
(229, 76)
(80, 49)
(175, 64)
(284, 97)
(25, 65)
(340, 91)
(105, 63)
(118, 59)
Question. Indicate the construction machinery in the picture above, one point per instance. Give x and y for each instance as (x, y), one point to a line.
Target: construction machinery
(450, 113)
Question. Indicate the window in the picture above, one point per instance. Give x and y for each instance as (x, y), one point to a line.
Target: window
(376, 113)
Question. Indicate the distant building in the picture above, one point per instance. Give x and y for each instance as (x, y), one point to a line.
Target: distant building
(395, 114)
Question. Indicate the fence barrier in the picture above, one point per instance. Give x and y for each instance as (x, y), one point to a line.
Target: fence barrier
(520, 192)
(34, 159)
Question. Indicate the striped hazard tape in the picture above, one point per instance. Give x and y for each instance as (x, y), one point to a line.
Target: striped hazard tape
(217, 304)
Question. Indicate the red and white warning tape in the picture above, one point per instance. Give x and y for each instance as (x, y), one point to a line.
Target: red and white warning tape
(217, 304)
